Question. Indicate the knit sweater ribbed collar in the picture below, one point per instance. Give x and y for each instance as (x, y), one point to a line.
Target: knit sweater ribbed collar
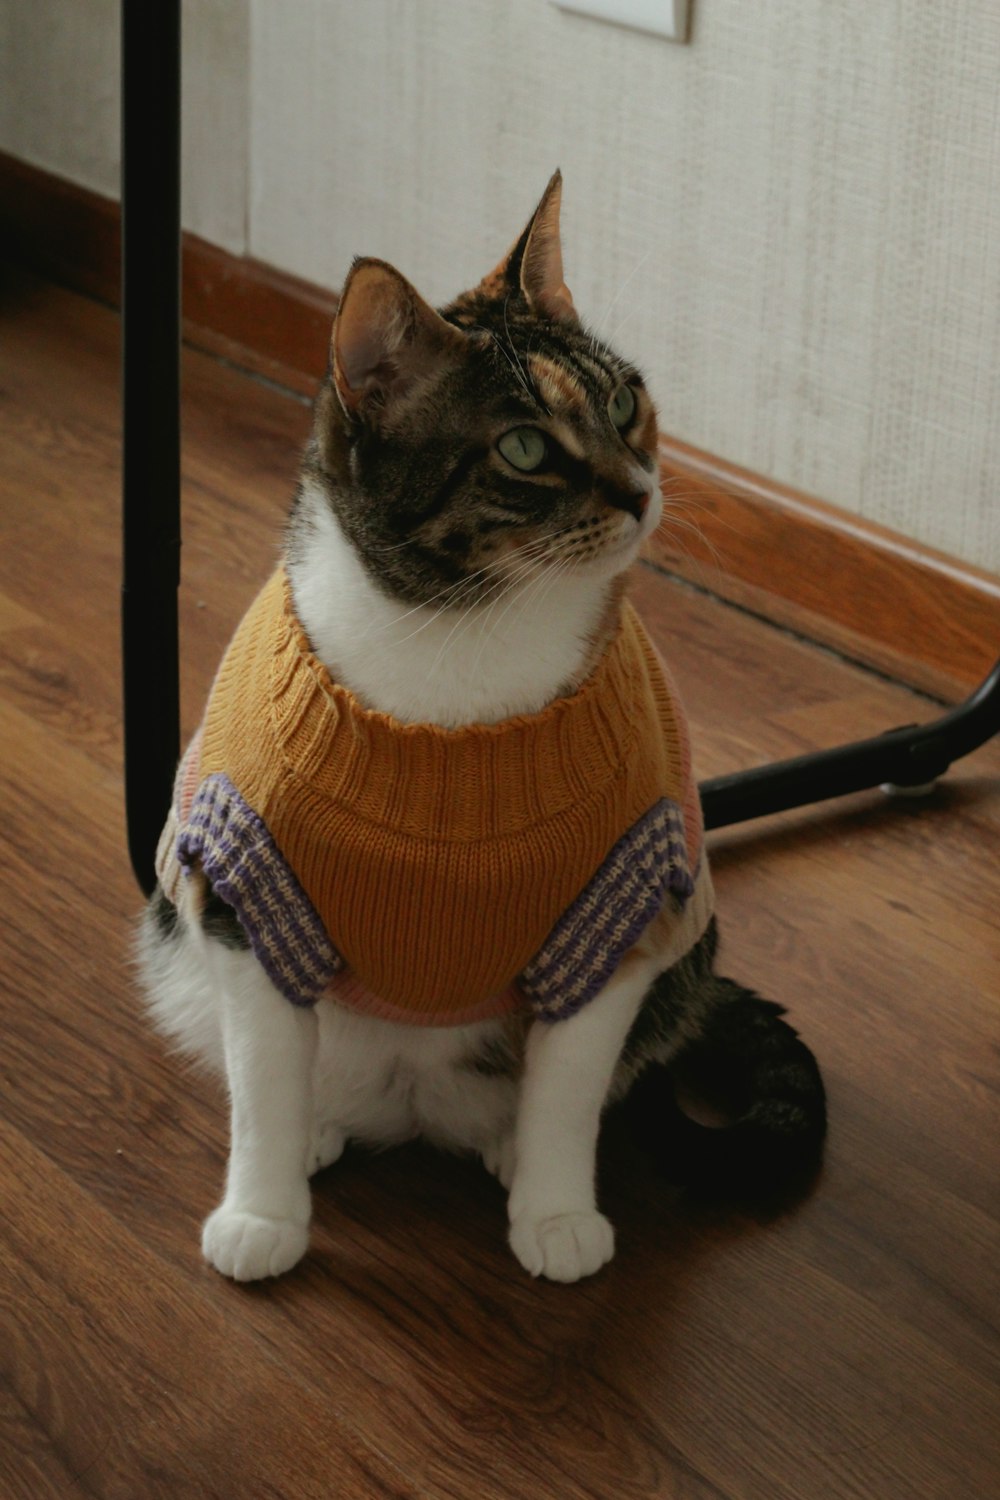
(480, 781)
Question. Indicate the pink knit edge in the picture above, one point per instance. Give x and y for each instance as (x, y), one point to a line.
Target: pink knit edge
(348, 990)
(694, 829)
(188, 778)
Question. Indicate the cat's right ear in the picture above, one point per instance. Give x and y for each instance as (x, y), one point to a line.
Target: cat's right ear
(533, 266)
(384, 337)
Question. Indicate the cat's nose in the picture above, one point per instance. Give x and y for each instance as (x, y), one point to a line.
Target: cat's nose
(636, 504)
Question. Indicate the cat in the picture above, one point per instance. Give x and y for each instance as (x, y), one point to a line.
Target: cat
(446, 670)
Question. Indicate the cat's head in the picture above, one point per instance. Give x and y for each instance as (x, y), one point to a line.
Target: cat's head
(470, 448)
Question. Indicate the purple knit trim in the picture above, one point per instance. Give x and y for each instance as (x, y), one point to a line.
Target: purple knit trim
(225, 838)
(647, 864)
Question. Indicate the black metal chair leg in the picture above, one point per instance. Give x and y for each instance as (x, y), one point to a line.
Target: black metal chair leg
(907, 758)
(150, 417)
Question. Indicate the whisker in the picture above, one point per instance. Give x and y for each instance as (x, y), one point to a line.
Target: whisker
(518, 375)
(467, 620)
(458, 592)
(602, 322)
(558, 570)
(676, 526)
(395, 547)
(462, 624)
(526, 381)
(516, 597)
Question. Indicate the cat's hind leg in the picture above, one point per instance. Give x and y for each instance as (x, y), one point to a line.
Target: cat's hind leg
(499, 1158)
(179, 993)
(261, 1227)
(328, 1141)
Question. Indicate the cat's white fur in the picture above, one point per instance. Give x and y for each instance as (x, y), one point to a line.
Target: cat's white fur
(304, 1082)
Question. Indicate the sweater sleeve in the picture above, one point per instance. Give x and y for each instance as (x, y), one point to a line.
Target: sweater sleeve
(647, 867)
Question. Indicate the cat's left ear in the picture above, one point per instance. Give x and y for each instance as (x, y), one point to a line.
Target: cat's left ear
(534, 265)
(385, 336)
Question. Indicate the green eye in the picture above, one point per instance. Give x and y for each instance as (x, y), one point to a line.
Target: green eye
(621, 407)
(524, 447)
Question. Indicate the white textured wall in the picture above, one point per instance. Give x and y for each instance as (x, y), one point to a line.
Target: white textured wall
(59, 87)
(794, 222)
(797, 220)
(60, 101)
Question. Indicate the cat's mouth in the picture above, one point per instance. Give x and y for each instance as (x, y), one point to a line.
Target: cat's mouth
(600, 543)
(609, 538)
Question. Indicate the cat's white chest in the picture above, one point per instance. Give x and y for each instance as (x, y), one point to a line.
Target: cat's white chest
(436, 664)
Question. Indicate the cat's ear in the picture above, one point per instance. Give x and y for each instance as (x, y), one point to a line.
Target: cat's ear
(541, 267)
(384, 337)
(534, 265)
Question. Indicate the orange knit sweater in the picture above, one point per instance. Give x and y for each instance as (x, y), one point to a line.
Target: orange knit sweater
(438, 867)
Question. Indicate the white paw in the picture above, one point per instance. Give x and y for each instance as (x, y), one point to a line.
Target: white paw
(498, 1158)
(563, 1247)
(326, 1147)
(248, 1247)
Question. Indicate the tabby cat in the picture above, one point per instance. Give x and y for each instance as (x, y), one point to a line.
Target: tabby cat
(434, 864)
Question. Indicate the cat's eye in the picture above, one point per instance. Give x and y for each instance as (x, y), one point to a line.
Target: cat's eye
(524, 447)
(621, 407)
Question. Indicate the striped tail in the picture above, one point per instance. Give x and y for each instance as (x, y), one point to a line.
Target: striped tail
(752, 1070)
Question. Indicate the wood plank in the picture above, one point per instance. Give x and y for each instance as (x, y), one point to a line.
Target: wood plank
(135, 1384)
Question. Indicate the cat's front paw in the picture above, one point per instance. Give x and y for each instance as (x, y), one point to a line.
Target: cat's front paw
(248, 1247)
(564, 1247)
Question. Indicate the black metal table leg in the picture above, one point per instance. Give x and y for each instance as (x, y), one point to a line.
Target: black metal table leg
(150, 417)
(905, 758)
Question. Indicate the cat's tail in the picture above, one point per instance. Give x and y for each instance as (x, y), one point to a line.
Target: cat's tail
(759, 1080)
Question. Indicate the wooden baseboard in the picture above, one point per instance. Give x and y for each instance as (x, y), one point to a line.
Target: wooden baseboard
(921, 617)
(260, 318)
(915, 614)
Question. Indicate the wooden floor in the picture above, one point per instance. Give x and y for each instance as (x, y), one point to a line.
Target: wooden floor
(848, 1348)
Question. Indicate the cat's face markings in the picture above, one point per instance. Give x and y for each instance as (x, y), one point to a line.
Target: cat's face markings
(494, 431)
(588, 433)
